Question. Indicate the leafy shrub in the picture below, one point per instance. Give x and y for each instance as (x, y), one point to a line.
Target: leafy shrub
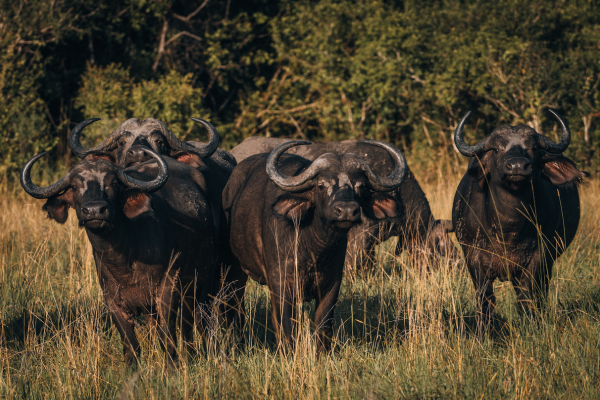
(111, 94)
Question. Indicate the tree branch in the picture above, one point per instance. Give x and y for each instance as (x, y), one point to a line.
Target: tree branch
(427, 119)
(501, 105)
(182, 33)
(123, 11)
(190, 16)
(161, 44)
(291, 110)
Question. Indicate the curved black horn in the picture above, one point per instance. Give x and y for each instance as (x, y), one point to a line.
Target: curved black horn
(296, 183)
(36, 191)
(394, 180)
(459, 141)
(204, 151)
(564, 141)
(75, 143)
(144, 186)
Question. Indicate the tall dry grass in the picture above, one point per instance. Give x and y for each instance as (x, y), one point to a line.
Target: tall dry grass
(400, 331)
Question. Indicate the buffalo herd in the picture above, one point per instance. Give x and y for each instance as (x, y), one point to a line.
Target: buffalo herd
(176, 227)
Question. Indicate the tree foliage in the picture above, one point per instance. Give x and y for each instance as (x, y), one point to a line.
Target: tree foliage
(112, 95)
(400, 71)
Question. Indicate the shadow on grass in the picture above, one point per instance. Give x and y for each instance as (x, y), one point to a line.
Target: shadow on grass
(40, 324)
(585, 299)
(362, 321)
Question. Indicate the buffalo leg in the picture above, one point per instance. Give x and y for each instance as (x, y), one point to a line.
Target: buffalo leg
(126, 327)
(282, 315)
(232, 287)
(523, 285)
(486, 299)
(167, 311)
(531, 285)
(541, 280)
(324, 312)
(235, 313)
(188, 316)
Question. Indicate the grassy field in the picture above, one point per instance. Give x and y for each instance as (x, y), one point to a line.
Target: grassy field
(401, 332)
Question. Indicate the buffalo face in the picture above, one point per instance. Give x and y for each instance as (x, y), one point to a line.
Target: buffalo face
(333, 200)
(135, 134)
(98, 190)
(94, 190)
(335, 188)
(513, 157)
(337, 198)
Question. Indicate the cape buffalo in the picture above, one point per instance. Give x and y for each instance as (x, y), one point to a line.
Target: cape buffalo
(515, 211)
(127, 143)
(152, 235)
(288, 221)
(414, 224)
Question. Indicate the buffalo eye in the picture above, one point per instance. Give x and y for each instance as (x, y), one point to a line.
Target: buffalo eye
(121, 143)
(159, 142)
(74, 187)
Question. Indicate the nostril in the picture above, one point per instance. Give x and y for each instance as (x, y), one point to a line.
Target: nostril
(509, 165)
(338, 210)
(85, 210)
(527, 165)
(102, 209)
(131, 153)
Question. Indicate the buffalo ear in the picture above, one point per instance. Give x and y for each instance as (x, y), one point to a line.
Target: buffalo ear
(100, 155)
(292, 207)
(57, 209)
(188, 158)
(561, 170)
(478, 169)
(381, 206)
(136, 203)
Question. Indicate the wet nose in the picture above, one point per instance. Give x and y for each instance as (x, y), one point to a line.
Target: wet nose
(347, 210)
(94, 210)
(518, 165)
(136, 154)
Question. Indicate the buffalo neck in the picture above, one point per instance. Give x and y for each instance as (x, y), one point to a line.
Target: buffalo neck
(513, 209)
(127, 242)
(321, 240)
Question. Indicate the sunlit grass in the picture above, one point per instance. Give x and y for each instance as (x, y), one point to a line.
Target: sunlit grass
(403, 329)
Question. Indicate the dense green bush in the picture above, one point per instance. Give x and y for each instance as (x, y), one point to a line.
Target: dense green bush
(401, 71)
(111, 94)
(408, 72)
(23, 122)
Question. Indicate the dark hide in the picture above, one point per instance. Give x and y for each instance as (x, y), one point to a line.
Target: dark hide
(150, 133)
(153, 251)
(134, 134)
(265, 226)
(502, 196)
(413, 222)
